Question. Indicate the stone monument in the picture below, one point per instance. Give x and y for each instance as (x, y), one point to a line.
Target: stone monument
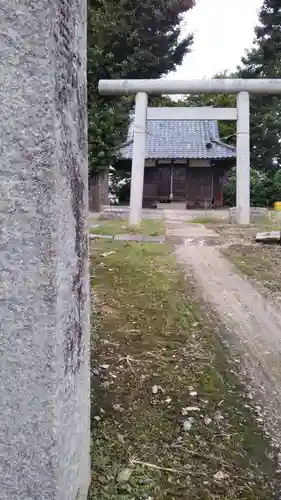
(44, 295)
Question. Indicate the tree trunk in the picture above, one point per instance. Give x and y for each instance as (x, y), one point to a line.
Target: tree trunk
(98, 191)
(104, 179)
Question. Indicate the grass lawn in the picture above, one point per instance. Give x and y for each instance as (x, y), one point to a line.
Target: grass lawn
(265, 223)
(262, 263)
(207, 219)
(169, 420)
(147, 227)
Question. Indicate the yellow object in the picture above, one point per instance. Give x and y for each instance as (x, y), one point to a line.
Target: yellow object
(277, 206)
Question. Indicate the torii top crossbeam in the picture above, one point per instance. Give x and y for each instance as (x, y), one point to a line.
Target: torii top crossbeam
(213, 86)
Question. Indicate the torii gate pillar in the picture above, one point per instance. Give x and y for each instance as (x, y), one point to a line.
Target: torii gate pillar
(243, 159)
(138, 159)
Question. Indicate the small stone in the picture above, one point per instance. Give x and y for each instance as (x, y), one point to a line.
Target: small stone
(118, 407)
(187, 424)
(218, 416)
(107, 254)
(124, 475)
(207, 421)
(157, 388)
(120, 438)
(105, 384)
(220, 476)
(147, 480)
(189, 409)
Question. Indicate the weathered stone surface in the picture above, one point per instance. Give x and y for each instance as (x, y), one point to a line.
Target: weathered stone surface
(269, 237)
(44, 339)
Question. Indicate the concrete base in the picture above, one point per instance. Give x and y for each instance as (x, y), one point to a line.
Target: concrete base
(269, 237)
(256, 213)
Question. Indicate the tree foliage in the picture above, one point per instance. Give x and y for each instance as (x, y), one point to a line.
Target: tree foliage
(127, 39)
(264, 61)
(227, 128)
(264, 189)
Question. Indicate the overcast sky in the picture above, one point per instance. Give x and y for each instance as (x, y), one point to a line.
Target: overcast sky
(222, 29)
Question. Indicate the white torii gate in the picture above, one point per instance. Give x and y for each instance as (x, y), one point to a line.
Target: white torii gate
(241, 87)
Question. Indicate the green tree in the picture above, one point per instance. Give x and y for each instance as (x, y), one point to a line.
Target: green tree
(227, 128)
(126, 39)
(264, 61)
(265, 188)
(163, 101)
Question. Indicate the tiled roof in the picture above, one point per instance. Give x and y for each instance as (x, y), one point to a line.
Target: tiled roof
(181, 139)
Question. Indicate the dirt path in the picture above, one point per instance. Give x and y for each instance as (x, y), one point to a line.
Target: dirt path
(253, 323)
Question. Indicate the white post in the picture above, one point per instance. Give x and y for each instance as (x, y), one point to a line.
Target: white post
(243, 159)
(172, 184)
(138, 160)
